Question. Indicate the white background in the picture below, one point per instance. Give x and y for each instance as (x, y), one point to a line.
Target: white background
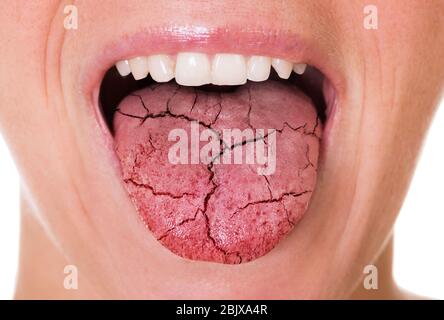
(419, 232)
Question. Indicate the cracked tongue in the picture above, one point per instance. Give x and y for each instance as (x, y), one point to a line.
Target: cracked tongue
(225, 213)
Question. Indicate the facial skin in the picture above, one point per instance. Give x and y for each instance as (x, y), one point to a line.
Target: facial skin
(76, 211)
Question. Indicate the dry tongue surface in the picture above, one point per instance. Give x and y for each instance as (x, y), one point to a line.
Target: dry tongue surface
(218, 212)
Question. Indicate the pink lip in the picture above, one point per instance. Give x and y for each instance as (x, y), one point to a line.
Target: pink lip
(246, 41)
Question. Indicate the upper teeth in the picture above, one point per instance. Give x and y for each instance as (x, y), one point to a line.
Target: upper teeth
(195, 69)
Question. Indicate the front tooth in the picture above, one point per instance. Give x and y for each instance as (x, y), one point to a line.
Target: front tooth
(193, 69)
(299, 68)
(229, 69)
(139, 67)
(258, 68)
(282, 67)
(123, 67)
(161, 67)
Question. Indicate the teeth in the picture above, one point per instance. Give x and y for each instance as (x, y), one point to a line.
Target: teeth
(139, 67)
(196, 69)
(161, 67)
(258, 68)
(229, 69)
(193, 69)
(299, 68)
(282, 67)
(123, 68)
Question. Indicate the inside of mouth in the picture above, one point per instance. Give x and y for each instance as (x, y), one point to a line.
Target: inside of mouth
(215, 210)
(115, 87)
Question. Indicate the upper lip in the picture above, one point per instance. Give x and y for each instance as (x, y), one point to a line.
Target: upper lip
(170, 40)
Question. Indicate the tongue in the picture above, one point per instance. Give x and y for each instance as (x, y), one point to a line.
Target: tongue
(205, 203)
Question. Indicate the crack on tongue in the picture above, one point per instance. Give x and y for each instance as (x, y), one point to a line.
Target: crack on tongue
(218, 212)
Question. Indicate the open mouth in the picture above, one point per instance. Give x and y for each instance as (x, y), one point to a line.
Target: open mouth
(218, 152)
